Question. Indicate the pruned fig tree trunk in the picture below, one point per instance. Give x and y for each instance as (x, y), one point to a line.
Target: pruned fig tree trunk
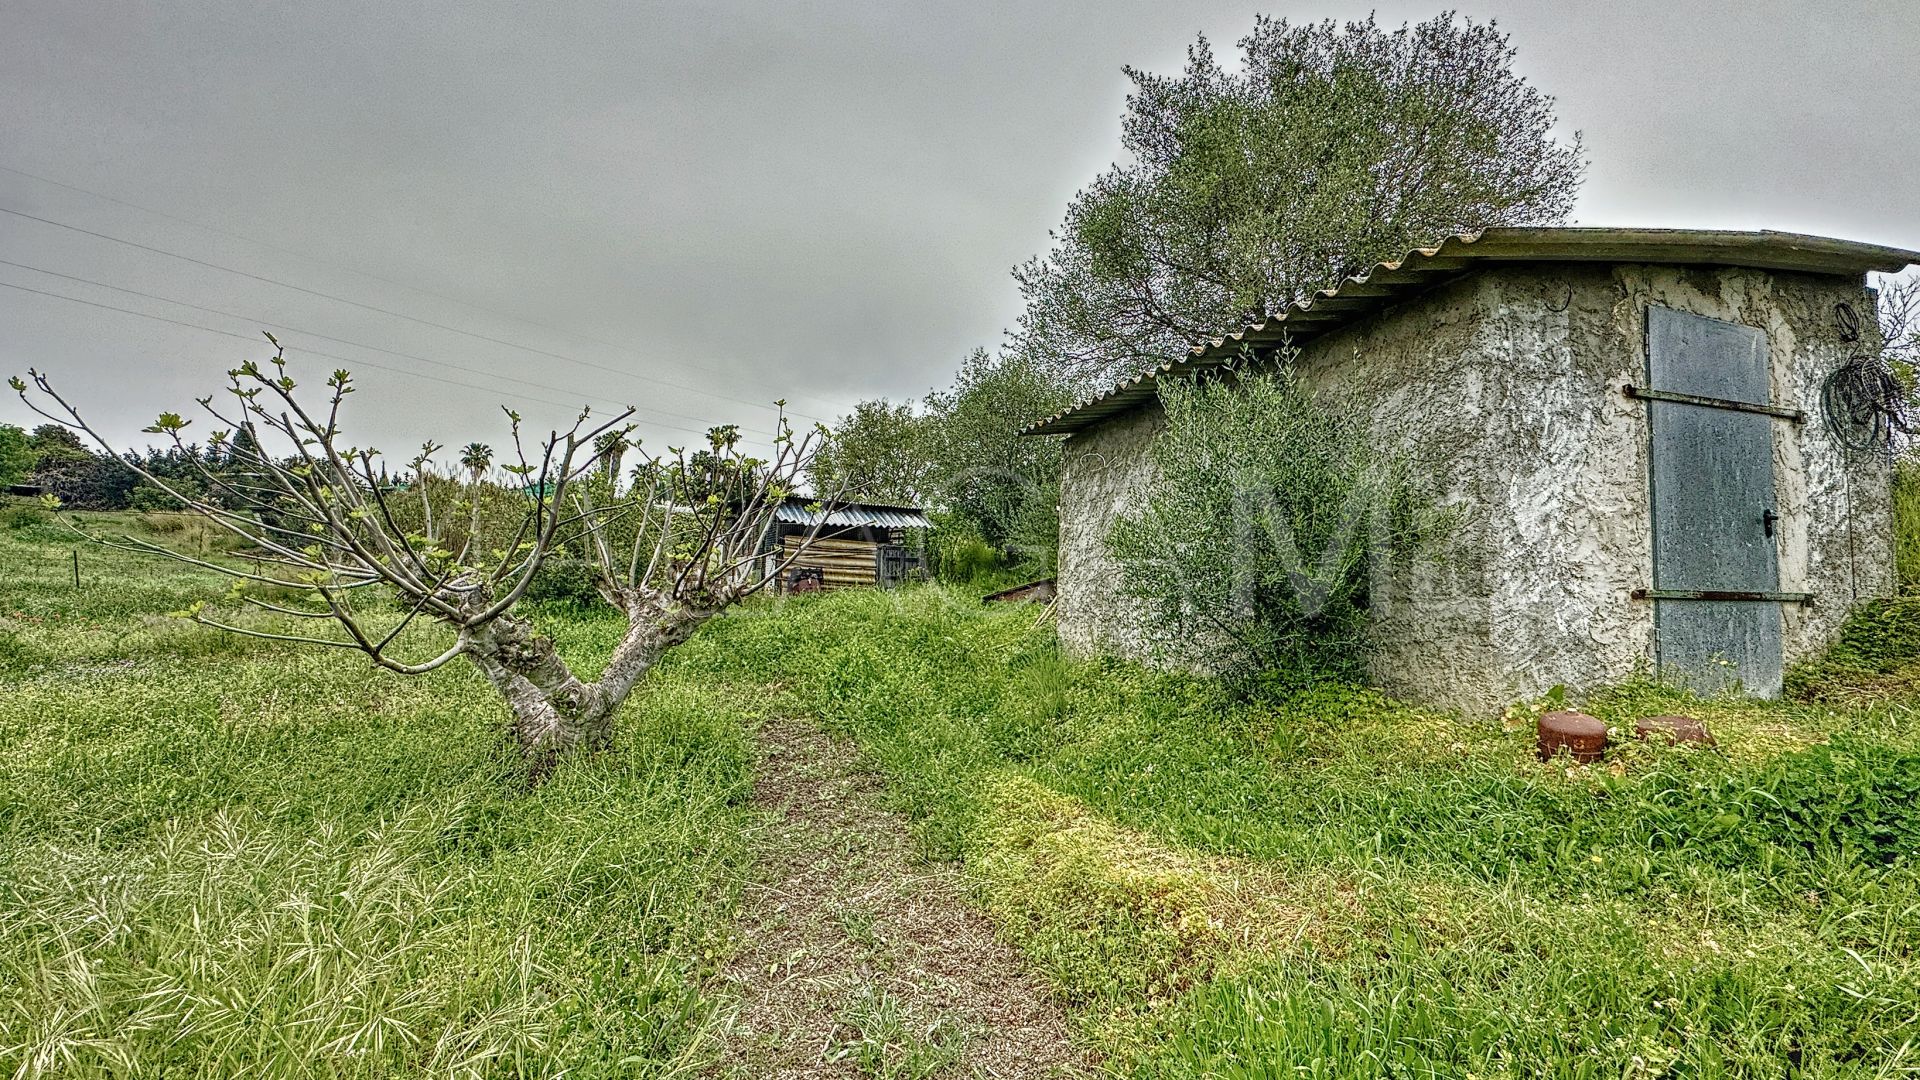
(553, 709)
(376, 553)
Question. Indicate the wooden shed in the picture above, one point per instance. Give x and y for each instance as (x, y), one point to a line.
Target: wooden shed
(855, 545)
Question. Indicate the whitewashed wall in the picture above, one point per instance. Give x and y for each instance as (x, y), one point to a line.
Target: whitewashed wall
(1507, 385)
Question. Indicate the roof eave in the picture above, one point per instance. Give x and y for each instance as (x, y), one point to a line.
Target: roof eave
(1395, 281)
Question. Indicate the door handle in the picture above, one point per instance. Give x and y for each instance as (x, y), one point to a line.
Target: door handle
(1767, 518)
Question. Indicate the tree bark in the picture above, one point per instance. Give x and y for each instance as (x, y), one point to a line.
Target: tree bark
(554, 711)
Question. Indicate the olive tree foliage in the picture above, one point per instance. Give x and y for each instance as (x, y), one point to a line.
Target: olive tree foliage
(372, 553)
(17, 456)
(1332, 147)
(959, 451)
(1006, 483)
(1251, 552)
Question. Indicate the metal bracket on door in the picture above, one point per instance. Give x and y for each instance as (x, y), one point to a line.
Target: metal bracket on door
(1709, 594)
(1781, 411)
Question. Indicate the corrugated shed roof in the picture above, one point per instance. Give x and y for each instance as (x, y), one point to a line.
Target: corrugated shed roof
(1423, 268)
(800, 510)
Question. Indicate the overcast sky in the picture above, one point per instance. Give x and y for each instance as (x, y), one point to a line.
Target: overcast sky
(694, 208)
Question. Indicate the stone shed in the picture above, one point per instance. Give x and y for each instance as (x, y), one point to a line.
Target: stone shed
(1642, 473)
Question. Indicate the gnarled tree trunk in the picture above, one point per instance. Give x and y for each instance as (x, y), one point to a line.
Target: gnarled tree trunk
(555, 711)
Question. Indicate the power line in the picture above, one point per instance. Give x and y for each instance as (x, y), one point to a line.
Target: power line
(384, 311)
(355, 344)
(371, 276)
(318, 352)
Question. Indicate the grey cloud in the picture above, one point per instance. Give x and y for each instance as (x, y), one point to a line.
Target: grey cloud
(815, 200)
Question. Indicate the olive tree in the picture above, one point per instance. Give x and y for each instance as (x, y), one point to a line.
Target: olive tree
(1327, 148)
(960, 453)
(1251, 551)
(326, 521)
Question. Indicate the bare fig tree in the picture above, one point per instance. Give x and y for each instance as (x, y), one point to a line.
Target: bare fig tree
(371, 555)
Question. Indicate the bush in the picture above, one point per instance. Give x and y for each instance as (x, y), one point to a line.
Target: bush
(566, 581)
(1251, 552)
(147, 499)
(22, 516)
(88, 482)
(1879, 637)
(1906, 525)
(961, 555)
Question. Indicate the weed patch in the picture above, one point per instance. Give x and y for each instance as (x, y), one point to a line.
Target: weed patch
(1880, 638)
(1114, 916)
(204, 840)
(1232, 886)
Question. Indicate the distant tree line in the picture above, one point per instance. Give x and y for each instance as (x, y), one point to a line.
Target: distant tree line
(1328, 147)
(958, 452)
(53, 459)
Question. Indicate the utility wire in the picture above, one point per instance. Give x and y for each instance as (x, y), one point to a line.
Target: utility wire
(368, 274)
(328, 355)
(356, 344)
(386, 311)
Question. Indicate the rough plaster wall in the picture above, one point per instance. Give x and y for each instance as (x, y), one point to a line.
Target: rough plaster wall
(1507, 385)
(1104, 472)
(1425, 375)
(1572, 478)
(1836, 527)
(1434, 614)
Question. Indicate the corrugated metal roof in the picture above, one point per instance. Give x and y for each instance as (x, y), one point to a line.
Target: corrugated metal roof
(799, 510)
(1423, 268)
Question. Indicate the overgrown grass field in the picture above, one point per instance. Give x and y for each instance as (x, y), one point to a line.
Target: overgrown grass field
(222, 856)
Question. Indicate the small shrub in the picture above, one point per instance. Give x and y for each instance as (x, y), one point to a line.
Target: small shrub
(1878, 638)
(1251, 552)
(962, 556)
(566, 581)
(22, 516)
(146, 498)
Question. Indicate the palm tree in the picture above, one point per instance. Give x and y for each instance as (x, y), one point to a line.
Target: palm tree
(477, 458)
(610, 448)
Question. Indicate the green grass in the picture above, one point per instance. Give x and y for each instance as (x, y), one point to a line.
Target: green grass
(1906, 524)
(221, 855)
(1352, 886)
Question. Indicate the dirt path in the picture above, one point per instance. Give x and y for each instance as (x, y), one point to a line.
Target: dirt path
(857, 959)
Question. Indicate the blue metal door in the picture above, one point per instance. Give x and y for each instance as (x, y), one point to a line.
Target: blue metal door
(1716, 566)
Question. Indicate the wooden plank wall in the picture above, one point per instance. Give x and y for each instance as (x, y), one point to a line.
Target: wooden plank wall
(846, 564)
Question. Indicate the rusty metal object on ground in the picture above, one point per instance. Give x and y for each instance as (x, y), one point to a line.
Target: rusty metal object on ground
(1583, 737)
(1043, 590)
(1673, 729)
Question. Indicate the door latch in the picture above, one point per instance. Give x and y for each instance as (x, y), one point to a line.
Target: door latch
(1767, 518)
